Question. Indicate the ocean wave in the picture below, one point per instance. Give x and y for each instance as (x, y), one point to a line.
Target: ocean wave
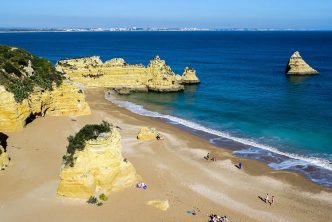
(138, 109)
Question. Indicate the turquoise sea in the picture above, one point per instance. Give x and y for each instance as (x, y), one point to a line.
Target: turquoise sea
(245, 101)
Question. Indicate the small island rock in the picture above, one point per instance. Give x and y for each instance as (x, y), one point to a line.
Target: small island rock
(189, 76)
(297, 66)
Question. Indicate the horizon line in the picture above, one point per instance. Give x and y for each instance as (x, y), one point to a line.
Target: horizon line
(142, 29)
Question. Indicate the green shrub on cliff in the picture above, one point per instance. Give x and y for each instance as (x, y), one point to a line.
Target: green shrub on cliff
(21, 72)
(77, 142)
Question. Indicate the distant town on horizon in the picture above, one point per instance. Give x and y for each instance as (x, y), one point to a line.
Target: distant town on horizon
(149, 29)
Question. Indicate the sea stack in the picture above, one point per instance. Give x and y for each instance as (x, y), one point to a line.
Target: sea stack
(297, 66)
(189, 76)
(94, 163)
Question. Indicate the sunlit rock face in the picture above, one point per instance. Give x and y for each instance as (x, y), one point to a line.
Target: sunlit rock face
(146, 134)
(98, 168)
(31, 87)
(189, 76)
(118, 74)
(63, 100)
(297, 66)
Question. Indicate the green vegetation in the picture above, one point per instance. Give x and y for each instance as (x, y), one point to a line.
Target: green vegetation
(103, 197)
(77, 142)
(15, 76)
(94, 200)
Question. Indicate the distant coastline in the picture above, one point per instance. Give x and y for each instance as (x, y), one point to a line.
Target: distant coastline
(136, 29)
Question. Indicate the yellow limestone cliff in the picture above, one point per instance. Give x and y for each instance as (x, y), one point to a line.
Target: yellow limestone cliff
(98, 168)
(4, 159)
(118, 74)
(63, 100)
(297, 66)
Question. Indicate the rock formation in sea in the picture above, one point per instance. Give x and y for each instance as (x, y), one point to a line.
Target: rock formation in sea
(4, 159)
(124, 77)
(31, 87)
(297, 66)
(146, 133)
(94, 163)
(189, 76)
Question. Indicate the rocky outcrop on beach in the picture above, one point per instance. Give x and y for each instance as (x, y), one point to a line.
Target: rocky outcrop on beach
(123, 77)
(297, 66)
(146, 133)
(189, 76)
(98, 167)
(4, 159)
(30, 87)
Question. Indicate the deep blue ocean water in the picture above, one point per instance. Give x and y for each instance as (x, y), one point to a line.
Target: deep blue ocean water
(244, 95)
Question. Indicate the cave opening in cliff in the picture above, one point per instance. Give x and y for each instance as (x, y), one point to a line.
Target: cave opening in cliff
(3, 141)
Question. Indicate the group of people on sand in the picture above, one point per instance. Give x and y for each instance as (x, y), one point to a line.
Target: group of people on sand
(208, 157)
(268, 201)
(217, 218)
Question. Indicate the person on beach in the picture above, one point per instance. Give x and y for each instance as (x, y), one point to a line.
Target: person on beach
(267, 198)
(240, 165)
(272, 201)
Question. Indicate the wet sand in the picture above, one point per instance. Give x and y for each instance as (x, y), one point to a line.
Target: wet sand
(173, 169)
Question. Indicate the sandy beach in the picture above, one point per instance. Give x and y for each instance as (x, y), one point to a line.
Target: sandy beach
(173, 169)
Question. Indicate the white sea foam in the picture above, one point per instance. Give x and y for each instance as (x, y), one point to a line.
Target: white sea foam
(135, 108)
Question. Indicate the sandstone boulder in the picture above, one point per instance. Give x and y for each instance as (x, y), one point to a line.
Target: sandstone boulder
(159, 204)
(297, 66)
(147, 133)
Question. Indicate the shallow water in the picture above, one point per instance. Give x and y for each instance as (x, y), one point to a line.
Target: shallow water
(244, 95)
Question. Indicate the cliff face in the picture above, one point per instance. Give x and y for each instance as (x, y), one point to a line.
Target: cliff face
(30, 86)
(116, 73)
(161, 78)
(99, 167)
(189, 76)
(65, 99)
(4, 159)
(297, 66)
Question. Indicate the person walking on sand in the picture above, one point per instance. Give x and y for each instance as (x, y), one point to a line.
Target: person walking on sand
(267, 198)
(272, 201)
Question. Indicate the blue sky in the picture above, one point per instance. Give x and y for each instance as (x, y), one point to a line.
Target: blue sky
(294, 14)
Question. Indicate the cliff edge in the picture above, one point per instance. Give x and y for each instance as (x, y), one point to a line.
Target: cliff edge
(31, 87)
(297, 66)
(94, 163)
